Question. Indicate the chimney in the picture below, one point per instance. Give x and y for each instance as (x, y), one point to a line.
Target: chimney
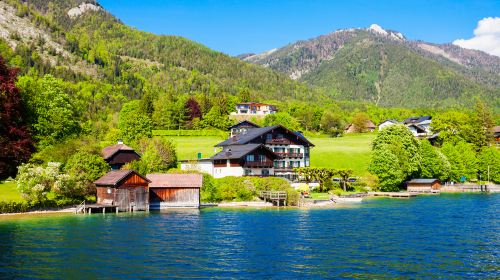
(228, 152)
(233, 139)
(120, 141)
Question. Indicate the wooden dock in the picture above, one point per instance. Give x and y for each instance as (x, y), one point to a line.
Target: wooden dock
(394, 194)
(96, 208)
(276, 197)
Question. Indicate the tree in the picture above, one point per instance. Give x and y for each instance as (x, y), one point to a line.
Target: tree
(489, 164)
(483, 125)
(54, 115)
(344, 174)
(16, 144)
(35, 182)
(133, 123)
(332, 123)
(193, 109)
(322, 175)
(434, 164)
(217, 117)
(360, 122)
(395, 156)
(84, 168)
(283, 119)
(385, 164)
(158, 155)
(462, 158)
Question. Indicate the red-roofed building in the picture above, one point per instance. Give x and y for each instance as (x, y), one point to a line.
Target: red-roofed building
(118, 155)
(174, 190)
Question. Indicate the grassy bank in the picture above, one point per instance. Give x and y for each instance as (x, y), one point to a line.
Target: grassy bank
(351, 151)
(9, 192)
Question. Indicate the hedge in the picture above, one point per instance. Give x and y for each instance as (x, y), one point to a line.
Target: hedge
(183, 132)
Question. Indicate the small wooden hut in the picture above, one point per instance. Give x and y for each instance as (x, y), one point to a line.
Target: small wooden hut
(424, 185)
(118, 155)
(126, 189)
(174, 190)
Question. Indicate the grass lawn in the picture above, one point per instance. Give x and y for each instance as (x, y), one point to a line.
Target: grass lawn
(351, 151)
(188, 147)
(8, 191)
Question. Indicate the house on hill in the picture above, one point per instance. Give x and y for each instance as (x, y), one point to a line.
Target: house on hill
(123, 188)
(174, 190)
(254, 109)
(266, 151)
(118, 155)
(387, 123)
(351, 128)
(496, 134)
(419, 126)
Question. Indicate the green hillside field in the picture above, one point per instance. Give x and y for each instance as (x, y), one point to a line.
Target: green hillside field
(351, 151)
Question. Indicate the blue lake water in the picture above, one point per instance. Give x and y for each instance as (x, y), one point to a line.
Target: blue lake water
(446, 236)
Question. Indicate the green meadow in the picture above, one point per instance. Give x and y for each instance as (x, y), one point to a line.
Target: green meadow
(9, 192)
(351, 151)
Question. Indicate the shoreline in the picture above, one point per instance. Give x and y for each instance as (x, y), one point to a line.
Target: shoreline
(242, 204)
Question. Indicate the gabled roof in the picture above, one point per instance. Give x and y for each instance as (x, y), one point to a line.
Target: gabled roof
(115, 177)
(246, 123)
(257, 132)
(175, 180)
(418, 127)
(423, 181)
(109, 151)
(391, 121)
(417, 119)
(239, 151)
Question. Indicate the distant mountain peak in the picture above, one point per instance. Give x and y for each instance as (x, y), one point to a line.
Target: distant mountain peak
(375, 28)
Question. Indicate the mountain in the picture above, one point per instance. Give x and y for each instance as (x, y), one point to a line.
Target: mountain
(79, 39)
(383, 67)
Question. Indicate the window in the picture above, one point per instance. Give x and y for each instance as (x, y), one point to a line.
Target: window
(250, 158)
(262, 158)
(279, 136)
(248, 172)
(269, 137)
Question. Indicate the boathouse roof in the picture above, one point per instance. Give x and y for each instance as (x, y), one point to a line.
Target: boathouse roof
(115, 177)
(175, 180)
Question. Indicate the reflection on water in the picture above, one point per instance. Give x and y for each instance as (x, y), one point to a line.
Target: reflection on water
(449, 236)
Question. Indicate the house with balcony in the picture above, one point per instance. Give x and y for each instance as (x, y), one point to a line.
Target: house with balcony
(266, 151)
(254, 109)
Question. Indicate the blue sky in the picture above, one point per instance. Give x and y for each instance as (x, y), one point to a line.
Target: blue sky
(236, 27)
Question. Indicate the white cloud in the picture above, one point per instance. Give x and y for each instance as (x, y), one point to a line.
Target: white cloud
(486, 37)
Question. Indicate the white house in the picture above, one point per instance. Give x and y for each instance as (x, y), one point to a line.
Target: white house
(254, 109)
(266, 151)
(387, 123)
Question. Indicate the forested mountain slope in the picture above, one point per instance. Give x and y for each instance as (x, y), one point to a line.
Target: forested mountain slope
(383, 67)
(82, 39)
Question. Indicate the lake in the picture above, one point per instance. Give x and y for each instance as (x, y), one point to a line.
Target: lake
(447, 236)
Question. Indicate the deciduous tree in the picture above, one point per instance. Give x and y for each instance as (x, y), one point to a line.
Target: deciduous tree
(16, 144)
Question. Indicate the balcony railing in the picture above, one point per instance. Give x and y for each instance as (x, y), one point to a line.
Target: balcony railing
(289, 155)
(283, 169)
(282, 141)
(259, 164)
